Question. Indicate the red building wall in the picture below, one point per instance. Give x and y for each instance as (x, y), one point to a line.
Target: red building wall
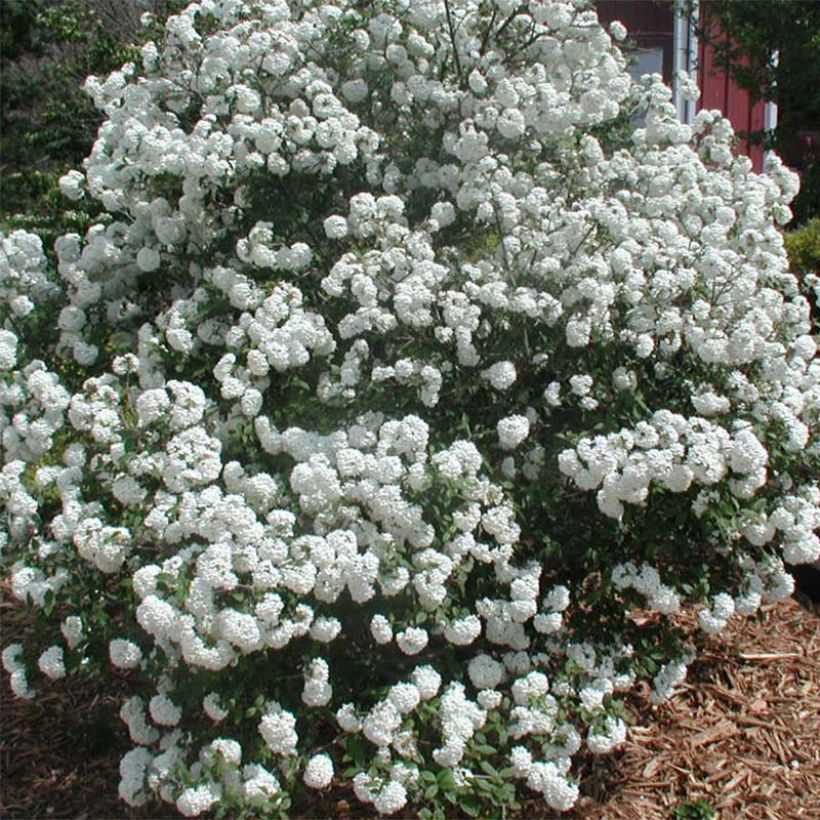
(719, 91)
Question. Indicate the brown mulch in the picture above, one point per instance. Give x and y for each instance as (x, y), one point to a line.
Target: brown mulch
(743, 736)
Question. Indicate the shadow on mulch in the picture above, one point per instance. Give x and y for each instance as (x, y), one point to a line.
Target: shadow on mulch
(743, 736)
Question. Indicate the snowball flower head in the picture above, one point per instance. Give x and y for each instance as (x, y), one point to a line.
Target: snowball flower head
(51, 662)
(512, 431)
(124, 654)
(319, 771)
(501, 375)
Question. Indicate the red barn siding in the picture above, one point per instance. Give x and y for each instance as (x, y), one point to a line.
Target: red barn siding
(719, 91)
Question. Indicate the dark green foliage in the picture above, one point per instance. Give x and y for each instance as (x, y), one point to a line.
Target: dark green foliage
(803, 246)
(47, 122)
(699, 809)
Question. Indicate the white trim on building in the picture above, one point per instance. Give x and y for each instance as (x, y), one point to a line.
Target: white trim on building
(770, 115)
(684, 58)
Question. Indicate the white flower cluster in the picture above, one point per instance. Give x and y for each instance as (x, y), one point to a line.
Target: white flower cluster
(319, 771)
(548, 778)
(671, 450)
(460, 719)
(714, 620)
(646, 581)
(383, 295)
(611, 735)
(16, 670)
(23, 279)
(670, 676)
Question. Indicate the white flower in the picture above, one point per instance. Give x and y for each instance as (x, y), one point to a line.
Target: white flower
(317, 691)
(239, 629)
(124, 654)
(412, 640)
(319, 772)
(521, 760)
(133, 767)
(212, 708)
(533, 685)
(335, 227)
(558, 598)
(478, 85)
(715, 620)
(8, 350)
(355, 91)
(391, 798)
(164, 711)
(404, 696)
(346, 718)
(51, 662)
(72, 185)
(196, 800)
(229, 750)
(463, 631)
(443, 213)
(427, 680)
(148, 259)
(277, 728)
(617, 30)
(489, 699)
(380, 629)
(383, 720)
(624, 379)
(580, 385)
(670, 676)
(258, 784)
(501, 375)
(152, 405)
(511, 124)
(325, 630)
(512, 431)
(72, 630)
(559, 793)
(609, 737)
(485, 672)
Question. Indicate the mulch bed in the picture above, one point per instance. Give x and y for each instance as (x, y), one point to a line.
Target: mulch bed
(743, 737)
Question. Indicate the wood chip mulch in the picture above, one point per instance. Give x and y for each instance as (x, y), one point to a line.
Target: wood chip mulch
(743, 737)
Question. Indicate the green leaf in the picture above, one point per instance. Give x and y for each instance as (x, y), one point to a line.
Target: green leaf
(445, 780)
(471, 805)
(489, 769)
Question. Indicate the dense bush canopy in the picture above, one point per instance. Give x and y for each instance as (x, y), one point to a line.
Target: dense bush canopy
(401, 373)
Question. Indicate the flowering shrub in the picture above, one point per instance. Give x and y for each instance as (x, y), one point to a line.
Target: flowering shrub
(401, 375)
